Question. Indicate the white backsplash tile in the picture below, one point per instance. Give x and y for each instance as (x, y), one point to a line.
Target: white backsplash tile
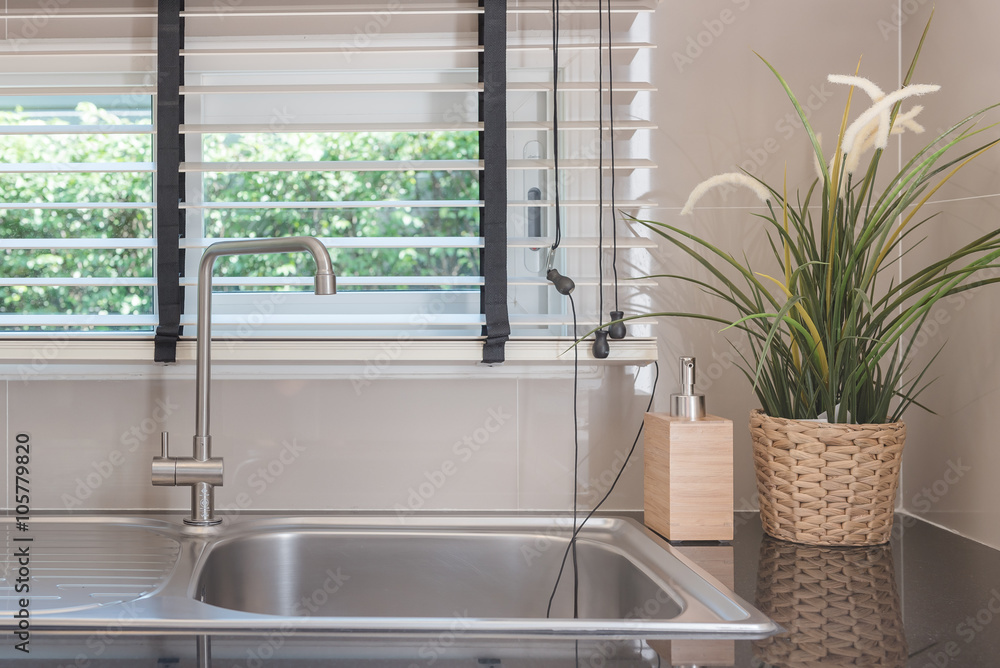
(402, 445)
(610, 411)
(398, 444)
(93, 440)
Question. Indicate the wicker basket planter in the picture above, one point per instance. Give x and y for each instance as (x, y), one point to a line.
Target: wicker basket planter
(826, 484)
(838, 605)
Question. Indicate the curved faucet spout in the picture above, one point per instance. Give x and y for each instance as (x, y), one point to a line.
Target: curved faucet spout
(203, 472)
(325, 285)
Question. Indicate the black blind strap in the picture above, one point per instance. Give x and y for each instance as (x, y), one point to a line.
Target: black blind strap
(493, 179)
(169, 181)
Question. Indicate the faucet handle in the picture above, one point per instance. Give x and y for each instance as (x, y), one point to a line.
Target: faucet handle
(164, 468)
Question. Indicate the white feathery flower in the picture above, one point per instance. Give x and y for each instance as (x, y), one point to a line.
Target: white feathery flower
(881, 136)
(867, 138)
(877, 110)
(906, 122)
(874, 92)
(866, 141)
(728, 179)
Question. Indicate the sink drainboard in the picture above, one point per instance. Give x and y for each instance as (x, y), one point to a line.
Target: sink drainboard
(76, 566)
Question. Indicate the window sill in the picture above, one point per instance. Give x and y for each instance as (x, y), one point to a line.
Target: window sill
(38, 359)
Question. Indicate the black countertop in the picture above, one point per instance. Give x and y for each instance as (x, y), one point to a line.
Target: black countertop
(928, 599)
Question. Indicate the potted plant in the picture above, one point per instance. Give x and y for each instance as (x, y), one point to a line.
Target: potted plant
(830, 330)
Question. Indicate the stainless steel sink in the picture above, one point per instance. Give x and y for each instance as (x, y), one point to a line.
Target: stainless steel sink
(482, 574)
(477, 576)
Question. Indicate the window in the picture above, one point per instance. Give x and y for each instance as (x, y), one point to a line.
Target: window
(356, 124)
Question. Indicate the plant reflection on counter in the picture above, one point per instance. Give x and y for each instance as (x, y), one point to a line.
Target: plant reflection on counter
(839, 606)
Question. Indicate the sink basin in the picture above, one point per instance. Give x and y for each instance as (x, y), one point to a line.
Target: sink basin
(478, 574)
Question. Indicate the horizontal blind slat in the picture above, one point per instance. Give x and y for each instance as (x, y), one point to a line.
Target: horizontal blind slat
(366, 242)
(57, 282)
(307, 282)
(32, 320)
(319, 128)
(399, 165)
(569, 242)
(359, 9)
(37, 129)
(581, 203)
(362, 126)
(588, 243)
(399, 204)
(77, 90)
(80, 53)
(306, 319)
(344, 242)
(409, 204)
(81, 206)
(76, 167)
(77, 244)
(342, 281)
(415, 49)
(577, 163)
(415, 87)
(335, 166)
(413, 9)
(289, 89)
(66, 13)
(331, 50)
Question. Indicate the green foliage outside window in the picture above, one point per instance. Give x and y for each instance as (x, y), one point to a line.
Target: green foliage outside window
(346, 186)
(75, 223)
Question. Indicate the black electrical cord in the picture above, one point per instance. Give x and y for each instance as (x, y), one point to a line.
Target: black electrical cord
(628, 457)
(600, 165)
(555, 119)
(576, 463)
(611, 120)
(576, 476)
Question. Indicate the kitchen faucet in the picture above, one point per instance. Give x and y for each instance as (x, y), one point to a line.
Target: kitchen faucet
(202, 471)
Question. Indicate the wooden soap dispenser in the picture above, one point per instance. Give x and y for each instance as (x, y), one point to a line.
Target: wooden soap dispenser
(688, 474)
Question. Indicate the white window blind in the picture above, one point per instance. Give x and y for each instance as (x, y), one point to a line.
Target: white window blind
(535, 307)
(76, 167)
(330, 73)
(354, 123)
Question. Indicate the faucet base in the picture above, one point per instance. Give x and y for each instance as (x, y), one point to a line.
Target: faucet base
(202, 523)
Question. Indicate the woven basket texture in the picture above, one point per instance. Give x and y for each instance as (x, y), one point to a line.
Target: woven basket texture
(839, 606)
(826, 484)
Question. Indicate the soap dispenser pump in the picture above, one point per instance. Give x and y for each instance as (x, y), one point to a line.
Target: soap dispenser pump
(688, 474)
(687, 404)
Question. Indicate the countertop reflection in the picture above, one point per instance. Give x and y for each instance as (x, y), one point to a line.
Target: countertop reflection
(927, 599)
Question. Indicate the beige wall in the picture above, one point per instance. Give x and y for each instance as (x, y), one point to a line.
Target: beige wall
(719, 108)
(953, 458)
